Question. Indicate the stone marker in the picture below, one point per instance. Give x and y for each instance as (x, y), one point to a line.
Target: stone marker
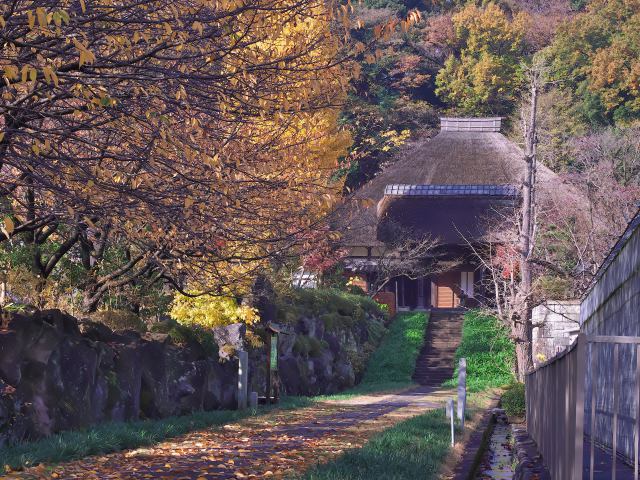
(243, 376)
(450, 415)
(253, 400)
(462, 390)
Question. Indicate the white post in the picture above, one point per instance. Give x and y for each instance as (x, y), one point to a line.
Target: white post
(450, 415)
(243, 376)
(462, 390)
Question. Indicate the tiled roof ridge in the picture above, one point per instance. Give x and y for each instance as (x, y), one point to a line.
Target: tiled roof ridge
(470, 124)
(506, 190)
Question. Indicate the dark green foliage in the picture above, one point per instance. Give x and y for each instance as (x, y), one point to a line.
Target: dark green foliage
(395, 5)
(513, 400)
(337, 309)
(182, 335)
(111, 437)
(489, 352)
(120, 320)
(412, 449)
(578, 5)
(334, 320)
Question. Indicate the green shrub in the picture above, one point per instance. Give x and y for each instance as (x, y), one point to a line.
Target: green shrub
(333, 321)
(554, 287)
(120, 320)
(513, 400)
(182, 335)
(489, 352)
(336, 308)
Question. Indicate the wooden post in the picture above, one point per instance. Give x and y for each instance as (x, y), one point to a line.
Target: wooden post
(268, 393)
(581, 360)
(594, 376)
(614, 440)
(462, 390)
(243, 376)
(636, 427)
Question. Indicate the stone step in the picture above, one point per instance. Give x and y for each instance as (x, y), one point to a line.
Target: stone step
(443, 371)
(434, 366)
(436, 361)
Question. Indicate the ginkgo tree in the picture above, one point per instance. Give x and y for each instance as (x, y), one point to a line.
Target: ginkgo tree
(200, 136)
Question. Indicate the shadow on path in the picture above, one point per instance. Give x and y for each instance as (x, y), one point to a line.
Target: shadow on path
(268, 445)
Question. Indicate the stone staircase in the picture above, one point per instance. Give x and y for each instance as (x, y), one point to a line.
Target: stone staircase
(436, 360)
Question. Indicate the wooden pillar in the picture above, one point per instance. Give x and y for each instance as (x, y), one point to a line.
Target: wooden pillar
(420, 302)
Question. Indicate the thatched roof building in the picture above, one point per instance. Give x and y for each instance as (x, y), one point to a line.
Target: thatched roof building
(451, 187)
(467, 157)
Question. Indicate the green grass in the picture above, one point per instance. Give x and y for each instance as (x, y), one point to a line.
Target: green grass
(115, 436)
(414, 448)
(391, 365)
(489, 352)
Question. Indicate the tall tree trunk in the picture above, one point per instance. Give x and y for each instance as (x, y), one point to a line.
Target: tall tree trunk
(522, 324)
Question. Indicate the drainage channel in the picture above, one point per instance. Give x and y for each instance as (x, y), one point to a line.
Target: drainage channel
(497, 462)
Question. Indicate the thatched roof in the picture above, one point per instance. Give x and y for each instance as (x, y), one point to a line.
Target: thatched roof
(453, 157)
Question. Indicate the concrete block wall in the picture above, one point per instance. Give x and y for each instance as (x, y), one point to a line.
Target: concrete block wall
(555, 327)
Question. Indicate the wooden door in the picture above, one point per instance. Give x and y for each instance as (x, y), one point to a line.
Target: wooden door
(446, 296)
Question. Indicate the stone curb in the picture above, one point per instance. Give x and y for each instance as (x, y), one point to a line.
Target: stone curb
(530, 464)
(476, 444)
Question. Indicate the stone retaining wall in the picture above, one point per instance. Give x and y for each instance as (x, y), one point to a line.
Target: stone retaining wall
(59, 374)
(319, 359)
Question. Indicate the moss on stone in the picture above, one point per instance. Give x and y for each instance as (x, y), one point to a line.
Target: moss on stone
(309, 346)
(337, 309)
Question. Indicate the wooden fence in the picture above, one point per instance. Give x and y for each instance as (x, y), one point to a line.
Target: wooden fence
(556, 404)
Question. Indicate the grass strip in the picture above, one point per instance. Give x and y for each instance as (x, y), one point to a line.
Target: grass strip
(115, 436)
(414, 448)
(489, 352)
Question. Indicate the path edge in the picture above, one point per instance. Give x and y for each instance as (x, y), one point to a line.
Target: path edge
(476, 444)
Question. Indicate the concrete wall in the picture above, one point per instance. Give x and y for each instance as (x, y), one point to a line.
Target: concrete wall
(612, 307)
(556, 325)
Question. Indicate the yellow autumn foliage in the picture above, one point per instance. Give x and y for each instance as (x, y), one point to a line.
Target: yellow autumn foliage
(210, 311)
(485, 74)
(204, 133)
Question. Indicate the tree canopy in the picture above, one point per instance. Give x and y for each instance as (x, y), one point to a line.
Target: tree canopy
(201, 134)
(484, 73)
(596, 59)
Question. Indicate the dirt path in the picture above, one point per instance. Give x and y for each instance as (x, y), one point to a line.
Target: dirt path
(271, 445)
